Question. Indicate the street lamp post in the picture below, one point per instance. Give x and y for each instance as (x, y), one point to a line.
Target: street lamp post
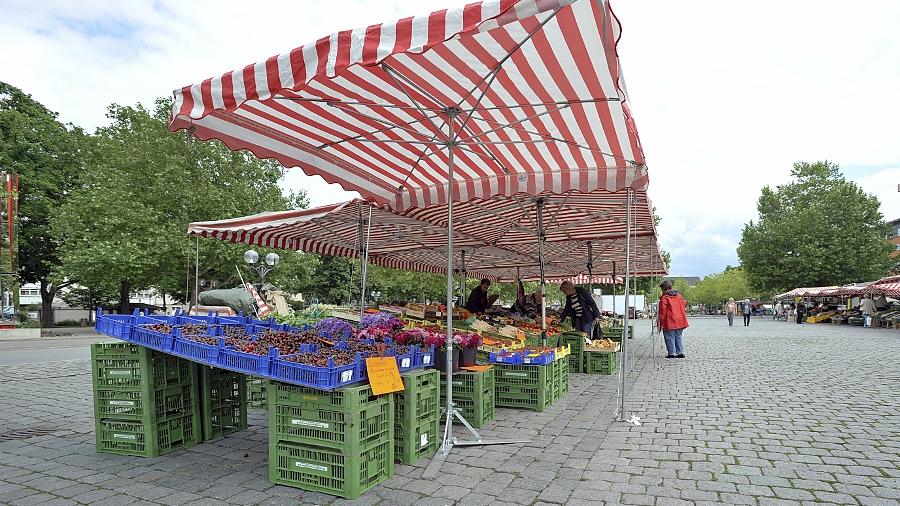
(261, 268)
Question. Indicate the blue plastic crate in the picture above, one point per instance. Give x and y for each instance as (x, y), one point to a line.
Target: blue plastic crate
(152, 339)
(247, 363)
(196, 351)
(514, 359)
(323, 378)
(114, 325)
(407, 361)
(543, 359)
(424, 357)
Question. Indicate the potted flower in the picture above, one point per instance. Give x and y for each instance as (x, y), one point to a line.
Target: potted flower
(468, 343)
(333, 329)
(439, 341)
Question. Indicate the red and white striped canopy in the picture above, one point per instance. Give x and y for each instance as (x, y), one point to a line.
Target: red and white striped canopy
(533, 89)
(888, 289)
(498, 237)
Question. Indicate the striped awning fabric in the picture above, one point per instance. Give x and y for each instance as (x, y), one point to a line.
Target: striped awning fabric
(888, 289)
(497, 241)
(530, 94)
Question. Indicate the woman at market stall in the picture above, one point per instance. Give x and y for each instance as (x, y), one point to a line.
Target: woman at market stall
(528, 306)
(580, 306)
(478, 297)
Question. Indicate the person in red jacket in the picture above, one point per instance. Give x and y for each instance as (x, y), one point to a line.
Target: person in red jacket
(672, 319)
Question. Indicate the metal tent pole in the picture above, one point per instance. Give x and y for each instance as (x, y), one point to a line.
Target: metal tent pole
(539, 203)
(364, 267)
(590, 268)
(614, 289)
(623, 376)
(449, 441)
(462, 287)
(197, 273)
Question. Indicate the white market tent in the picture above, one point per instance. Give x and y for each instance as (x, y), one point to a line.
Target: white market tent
(504, 97)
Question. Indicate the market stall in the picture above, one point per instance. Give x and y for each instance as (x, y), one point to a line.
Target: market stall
(500, 98)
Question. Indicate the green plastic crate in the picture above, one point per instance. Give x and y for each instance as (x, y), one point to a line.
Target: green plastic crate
(473, 396)
(134, 437)
(223, 406)
(535, 399)
(149, 406)
(524, 386)
(256, 391)
(347, 398)
(349, 418)
(139, 371)
(600, 362)
(334, 471)
(561, 379)
(576, 357)
(523, 375)
(133, 383)
(417, 416)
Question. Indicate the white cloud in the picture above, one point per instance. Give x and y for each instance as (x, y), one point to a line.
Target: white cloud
(884, 184)
(726, 95)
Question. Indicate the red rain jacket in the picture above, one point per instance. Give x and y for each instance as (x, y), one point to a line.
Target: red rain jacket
(672, 313)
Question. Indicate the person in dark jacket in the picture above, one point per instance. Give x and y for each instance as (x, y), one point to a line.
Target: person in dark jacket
(580, 306)
(478, 298)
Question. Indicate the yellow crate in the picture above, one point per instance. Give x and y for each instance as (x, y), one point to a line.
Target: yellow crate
(562, 351)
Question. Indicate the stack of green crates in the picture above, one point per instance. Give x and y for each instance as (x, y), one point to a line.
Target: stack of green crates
(615, 333)
(223, 401)
(560, 378)
(339, 442)
(473, 395)
(256, 391)
(524, 386)
(145, 402)
(417, 416)
(600, 362)
(575, 340)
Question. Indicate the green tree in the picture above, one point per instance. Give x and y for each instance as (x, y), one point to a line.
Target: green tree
(48, 157)
(817, 230)
(124, 227)
(716, 288)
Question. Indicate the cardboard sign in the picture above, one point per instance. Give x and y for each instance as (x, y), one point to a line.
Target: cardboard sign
(384, 375)
(477, 368)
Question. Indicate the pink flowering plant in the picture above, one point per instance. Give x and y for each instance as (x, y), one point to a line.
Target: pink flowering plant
(467, 339)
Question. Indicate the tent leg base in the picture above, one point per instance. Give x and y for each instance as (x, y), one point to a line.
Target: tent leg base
(434, 467)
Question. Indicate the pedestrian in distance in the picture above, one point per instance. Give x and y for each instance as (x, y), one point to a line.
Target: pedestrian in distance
(672, 319)
(867, 308)
(800, 311)
(746, 309)
(730, 311)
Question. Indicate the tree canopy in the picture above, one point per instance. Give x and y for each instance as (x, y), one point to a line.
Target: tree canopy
(124, 227)
(48, 157)
(817, 230)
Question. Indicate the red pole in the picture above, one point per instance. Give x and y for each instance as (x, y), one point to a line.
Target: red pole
(9, 218)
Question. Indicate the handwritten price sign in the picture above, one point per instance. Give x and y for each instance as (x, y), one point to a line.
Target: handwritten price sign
(384, 375)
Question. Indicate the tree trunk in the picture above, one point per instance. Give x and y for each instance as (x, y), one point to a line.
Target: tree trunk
(165, 309)
(48, 293)
(125, 297)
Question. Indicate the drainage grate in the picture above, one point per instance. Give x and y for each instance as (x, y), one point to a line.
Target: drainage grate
(26, 433)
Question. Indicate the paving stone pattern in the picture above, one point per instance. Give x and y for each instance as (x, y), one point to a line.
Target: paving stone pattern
(770, 414)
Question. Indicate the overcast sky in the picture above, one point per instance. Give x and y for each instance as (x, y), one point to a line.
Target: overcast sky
(726, 95)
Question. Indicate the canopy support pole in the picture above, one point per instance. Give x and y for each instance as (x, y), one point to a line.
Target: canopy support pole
(590, 268)
(462, 283)
(614, 289)
(197, 273)
(450, 412)
(539, 204)
(364, 266)
(623, 372)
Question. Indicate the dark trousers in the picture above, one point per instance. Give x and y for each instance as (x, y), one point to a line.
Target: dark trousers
(746, 320)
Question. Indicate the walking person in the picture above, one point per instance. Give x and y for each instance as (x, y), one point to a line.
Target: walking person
(867, 307)
(801, 309)
(746, 309)
(672, 319)
(730, 311)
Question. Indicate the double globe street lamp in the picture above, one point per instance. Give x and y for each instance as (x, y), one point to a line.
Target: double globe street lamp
(262, 268)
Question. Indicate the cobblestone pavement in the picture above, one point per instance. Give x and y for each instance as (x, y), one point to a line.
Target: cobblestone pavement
(776, 413)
